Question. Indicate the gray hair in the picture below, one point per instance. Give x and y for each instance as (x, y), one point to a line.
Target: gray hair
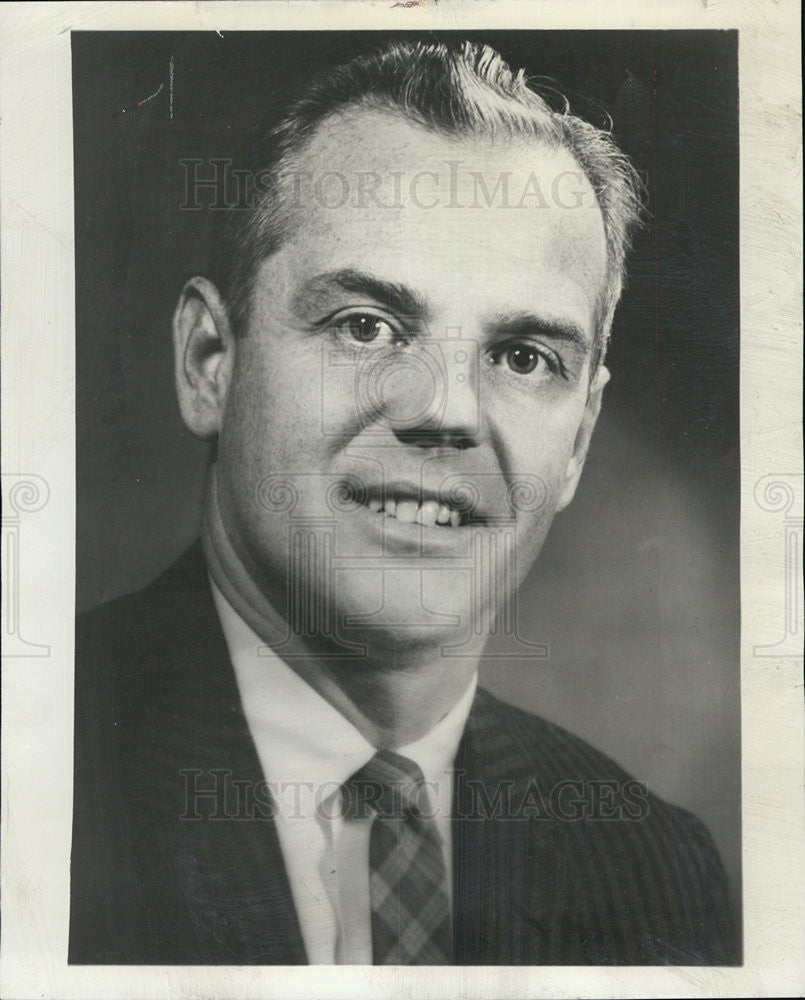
(455, 90)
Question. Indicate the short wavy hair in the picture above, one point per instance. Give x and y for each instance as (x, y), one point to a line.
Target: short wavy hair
(458, 90)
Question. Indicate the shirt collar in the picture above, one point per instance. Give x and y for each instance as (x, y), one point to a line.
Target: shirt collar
(300, 737)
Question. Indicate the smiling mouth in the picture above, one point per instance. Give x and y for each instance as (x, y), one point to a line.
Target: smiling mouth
(430, 512)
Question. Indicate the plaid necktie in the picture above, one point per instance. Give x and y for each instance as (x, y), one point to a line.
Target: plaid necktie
(407, 875)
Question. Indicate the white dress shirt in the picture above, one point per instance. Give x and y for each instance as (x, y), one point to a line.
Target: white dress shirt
(307, 750)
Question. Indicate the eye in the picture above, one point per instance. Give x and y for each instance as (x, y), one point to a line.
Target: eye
(364, 328)
(522, 359)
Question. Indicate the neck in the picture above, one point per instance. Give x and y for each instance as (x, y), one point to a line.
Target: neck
(392, 696)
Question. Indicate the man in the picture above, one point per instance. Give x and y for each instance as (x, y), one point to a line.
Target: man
(398, 358)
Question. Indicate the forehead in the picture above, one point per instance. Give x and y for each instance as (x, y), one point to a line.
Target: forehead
(463, 221)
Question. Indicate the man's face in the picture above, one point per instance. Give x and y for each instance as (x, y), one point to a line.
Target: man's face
(411, 402)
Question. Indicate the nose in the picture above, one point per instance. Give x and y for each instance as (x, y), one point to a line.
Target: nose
(437, 403)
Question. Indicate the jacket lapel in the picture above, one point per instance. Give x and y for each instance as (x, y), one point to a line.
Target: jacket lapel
(489, 855)
(213, 803)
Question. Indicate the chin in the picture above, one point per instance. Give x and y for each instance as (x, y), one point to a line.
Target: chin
(411, 609)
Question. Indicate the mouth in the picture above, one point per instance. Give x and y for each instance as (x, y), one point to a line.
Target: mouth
(431, 510)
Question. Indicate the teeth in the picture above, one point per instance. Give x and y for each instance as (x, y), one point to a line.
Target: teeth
(407, 511)
(428, 513)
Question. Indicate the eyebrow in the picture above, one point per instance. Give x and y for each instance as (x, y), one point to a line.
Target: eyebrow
(530, 324)
(406, 302)
(390, 294)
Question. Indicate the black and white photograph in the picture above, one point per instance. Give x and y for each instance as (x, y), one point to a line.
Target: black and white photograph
(378, 278)
(406, 491)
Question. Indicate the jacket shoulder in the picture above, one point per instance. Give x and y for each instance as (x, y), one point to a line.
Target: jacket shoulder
(533, 744)
(152, 674)
(642, 880)
(174, 591)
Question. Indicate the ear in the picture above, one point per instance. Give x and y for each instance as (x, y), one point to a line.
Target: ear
(585, 432)
(204, 349)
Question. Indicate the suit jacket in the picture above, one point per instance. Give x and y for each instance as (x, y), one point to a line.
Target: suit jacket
(559, 858)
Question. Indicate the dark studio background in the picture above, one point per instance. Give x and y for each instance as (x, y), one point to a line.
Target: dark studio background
(637, 590)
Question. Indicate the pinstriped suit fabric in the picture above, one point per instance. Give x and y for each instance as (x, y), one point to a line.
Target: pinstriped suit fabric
(558, 857)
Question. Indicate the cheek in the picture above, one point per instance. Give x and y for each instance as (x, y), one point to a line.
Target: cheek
(539, 435)
(539, 446)
(274, 441)
(358, 392)
(249, 445)
(267, 408)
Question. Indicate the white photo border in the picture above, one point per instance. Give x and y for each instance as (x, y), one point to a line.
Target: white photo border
(37, 326)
